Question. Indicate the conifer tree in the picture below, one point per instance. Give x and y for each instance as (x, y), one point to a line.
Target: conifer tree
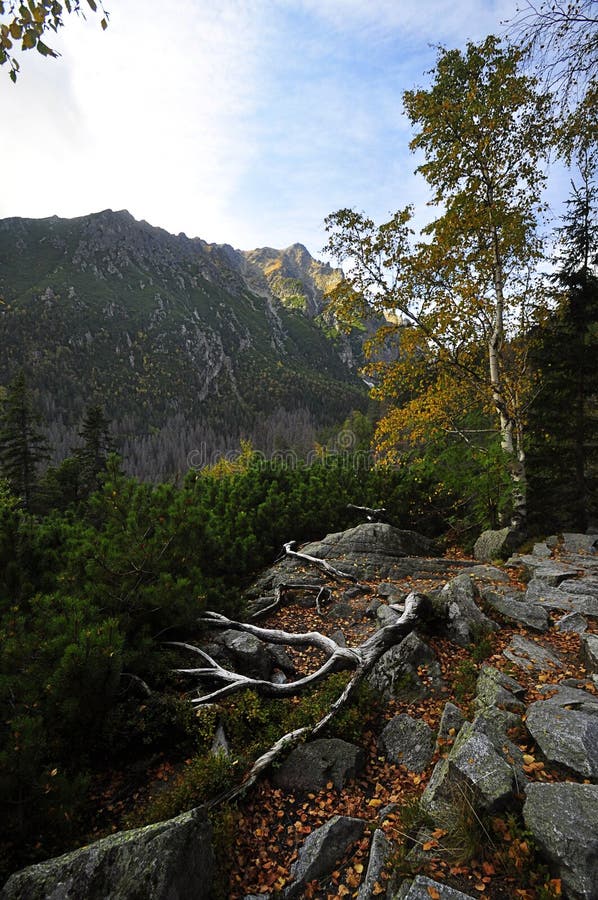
(97, 446)
(564, 418)
(22, 445)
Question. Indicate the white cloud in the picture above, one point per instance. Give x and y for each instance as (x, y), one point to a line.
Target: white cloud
(244, 121)
(151, 115)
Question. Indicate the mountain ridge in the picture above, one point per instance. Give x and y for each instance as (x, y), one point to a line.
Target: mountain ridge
(163, 328)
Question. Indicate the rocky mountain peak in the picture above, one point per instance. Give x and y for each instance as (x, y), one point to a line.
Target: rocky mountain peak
(292, 276)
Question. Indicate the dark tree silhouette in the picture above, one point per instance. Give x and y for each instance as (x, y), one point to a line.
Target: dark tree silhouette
(22, 445)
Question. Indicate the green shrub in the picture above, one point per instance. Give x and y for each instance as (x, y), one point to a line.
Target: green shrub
(204, 778)
(465, 679)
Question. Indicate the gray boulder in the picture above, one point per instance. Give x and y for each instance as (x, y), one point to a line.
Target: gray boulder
(531, 656)
(171, 860)
(281, 658)
(496, 723)
(493, 545)
(512, 606)
(309, 767)
(563, 819)
(373, 607)
(589, 651)
(409, 742)
(580, 543)
(554, 573)
(562, 598)
(341, 611)
(338, 636)
(418, 890)
(249, 655)
(395, 675)
(572, 622)
(451, 722)
(494, 688)
(387, 589)
(321, 850)
(474, 767)
(565, 727)
(587, 586)
(485, 572)
(380, 851)
(464, 619)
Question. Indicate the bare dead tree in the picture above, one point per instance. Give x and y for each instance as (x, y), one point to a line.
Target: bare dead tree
(361, 660)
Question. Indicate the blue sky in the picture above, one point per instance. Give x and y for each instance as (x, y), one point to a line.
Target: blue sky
(238, 121)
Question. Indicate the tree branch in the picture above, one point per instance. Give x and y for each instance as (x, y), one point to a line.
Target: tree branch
(321, 563)
(363, 659)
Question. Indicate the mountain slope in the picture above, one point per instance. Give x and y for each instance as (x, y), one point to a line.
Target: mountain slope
(161, 329)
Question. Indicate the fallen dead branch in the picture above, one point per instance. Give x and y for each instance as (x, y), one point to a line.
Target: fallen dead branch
(361, 659)
(371, 514)
(320, 563)
(281, 592)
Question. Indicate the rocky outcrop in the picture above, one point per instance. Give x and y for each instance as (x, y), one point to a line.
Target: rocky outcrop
(291, 276)
(137, 311)
(172, 860)
(371, 550)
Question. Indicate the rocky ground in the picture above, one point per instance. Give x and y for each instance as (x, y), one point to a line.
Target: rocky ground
(481, 774)
(478, 775)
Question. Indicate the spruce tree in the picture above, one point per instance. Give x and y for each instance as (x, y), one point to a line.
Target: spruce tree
(565, 415)
(97, 446)
(22, 445)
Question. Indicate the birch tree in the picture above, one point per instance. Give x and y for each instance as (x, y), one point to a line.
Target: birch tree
(22, 27)
(463, 297)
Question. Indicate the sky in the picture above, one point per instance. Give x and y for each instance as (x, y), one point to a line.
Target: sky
(238, 121)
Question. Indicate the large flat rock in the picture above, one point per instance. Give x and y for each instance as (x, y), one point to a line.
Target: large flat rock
(531, 656)
(309, 767)
(514, 607)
